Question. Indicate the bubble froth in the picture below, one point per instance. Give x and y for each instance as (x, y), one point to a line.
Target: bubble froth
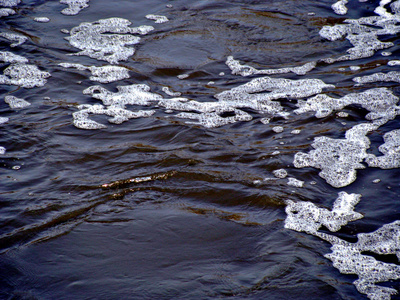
(349, 257)
(9, 3)
(392, 76)
(118, 114)
(245, 70)
(103, 74)
(15, 102)
(381, 102)
(5, 12)
(17, 39)
(107, 39)
(27, 76)
(158, 19)
(74, 6)
(10, 57)
(338, 159)
(390, 150)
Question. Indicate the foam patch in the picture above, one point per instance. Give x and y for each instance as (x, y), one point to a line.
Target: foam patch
(10, 57)
(392, 76)
(74, 6)
(158, 19)
(107, 39)
(15, 38)
(5, 12)
(390, 150)
(103, 74)
(16, 103)
(27, 76)
(246, 70)
(338, 158)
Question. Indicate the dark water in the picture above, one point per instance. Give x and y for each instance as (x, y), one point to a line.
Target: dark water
(155, 208)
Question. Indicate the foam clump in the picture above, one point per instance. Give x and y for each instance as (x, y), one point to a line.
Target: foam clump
(15, 38)
(74, 6)
(15, 102)
(10, 57)
(381, 102)
(168, 91)
(103, 74)
(363, 33)
(245, 70)
(118, 114)
(9, 3)
(349, 258)
(5, 12)
(2, 150)
(394, 63)
(340, 7)
(307, 217)
(136, 94)
(158, 19)
(106, 39)
(280, 173)
(295, 182)
(338, 159)
(27, 76)
(41, 19)
(390, 150)
(3, 120)
(392, 76)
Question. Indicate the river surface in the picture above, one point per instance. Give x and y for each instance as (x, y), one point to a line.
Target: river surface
(170, 205)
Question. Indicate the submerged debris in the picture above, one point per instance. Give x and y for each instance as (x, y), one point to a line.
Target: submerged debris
(245, 70)
(107, 39)
(15, 102)
(74, 6)
(103, 74)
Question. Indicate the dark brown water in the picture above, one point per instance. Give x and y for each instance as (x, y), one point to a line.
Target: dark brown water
(155, 208)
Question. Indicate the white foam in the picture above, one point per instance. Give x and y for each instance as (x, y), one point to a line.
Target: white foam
(307, 217)
(381, 102)
(107, 39)
(118, 114)
(390, 150)
(280, 173)
(338, 159)
(277, 129)
(136, 94)
(168, 91)
(392, 76)
(74, 6)
(2, 150)
(296, 131)
(15, 102)
(17, 38)
(10, 57)
(3, 120)
(27, 76)
(5, 12)
(103, 74)
(295, 182)
(340, 7)
(246, 70)
(9, 3)
(394, 63)
(41, 19)
(157, 18)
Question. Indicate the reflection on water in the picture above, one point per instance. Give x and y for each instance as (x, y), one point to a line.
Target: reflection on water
(162, 150)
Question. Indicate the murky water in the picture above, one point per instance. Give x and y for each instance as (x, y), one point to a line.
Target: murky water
(170, 189)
